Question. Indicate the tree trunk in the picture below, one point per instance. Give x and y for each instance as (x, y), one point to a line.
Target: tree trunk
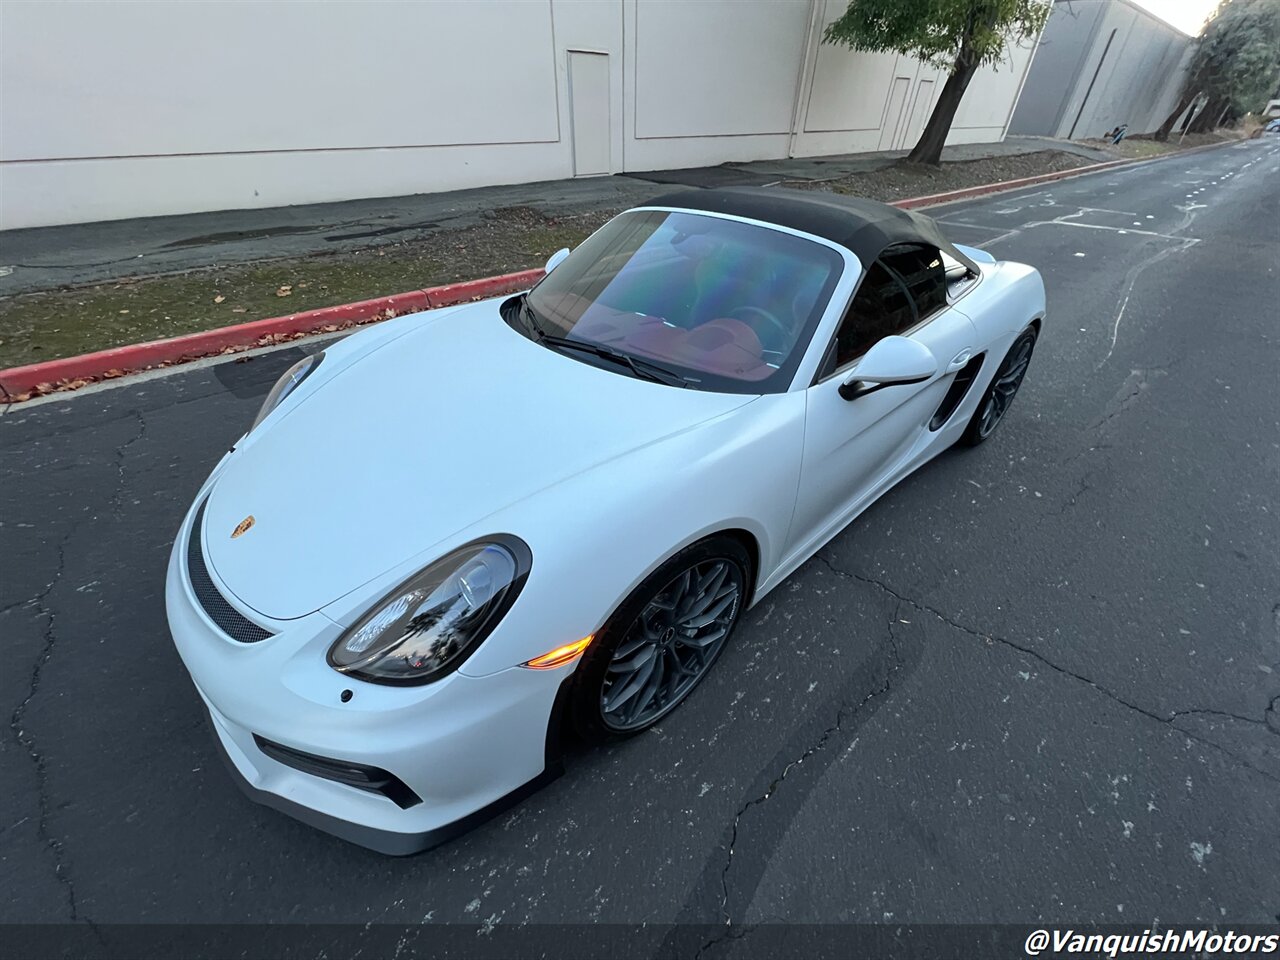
(1204, 122)
(1191, 115)
(1167, 127)
(929, 148)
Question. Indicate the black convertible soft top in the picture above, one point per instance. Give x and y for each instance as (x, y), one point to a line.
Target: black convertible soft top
(864, 227)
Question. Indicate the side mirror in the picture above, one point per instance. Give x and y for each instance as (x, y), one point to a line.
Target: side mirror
(891, 362)
(556, 259)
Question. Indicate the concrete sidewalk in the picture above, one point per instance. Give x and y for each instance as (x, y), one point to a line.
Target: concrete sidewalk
(47, 258)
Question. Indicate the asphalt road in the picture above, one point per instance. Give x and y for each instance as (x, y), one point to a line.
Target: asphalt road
(1039, 681)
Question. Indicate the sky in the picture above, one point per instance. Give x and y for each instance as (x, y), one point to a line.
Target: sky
(1188, 15)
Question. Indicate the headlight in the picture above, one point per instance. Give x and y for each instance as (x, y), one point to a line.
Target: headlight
(286, 385)
(433, 621)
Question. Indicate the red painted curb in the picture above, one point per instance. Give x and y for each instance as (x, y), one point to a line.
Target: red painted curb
(22, 383)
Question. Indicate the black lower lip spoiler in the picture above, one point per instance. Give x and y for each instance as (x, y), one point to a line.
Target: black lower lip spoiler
(393, 842)
(390, 842)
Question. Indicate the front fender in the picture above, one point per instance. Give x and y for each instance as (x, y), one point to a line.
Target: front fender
(596, 537)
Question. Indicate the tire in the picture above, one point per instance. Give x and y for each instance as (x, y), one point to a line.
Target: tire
(1001, 391)
(612, 697)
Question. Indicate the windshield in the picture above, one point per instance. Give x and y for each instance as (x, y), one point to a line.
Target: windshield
(728, 306)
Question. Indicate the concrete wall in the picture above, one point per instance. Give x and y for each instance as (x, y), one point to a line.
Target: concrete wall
(123, 108)
(851, 102)
(119, 109)
(710, 81)
(1101, 63)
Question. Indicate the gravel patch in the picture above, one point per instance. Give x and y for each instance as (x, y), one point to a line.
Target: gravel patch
(903, 180)
(1141, 146)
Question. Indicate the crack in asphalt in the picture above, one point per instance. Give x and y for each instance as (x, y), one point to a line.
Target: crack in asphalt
(1123, 404)
(1136, 271)
(1095, 448)
(72, 266)
(25, 601)
(843, 714)
(1141, 381)
(48, 640)
(1225, 714)
(1083, 486)
(1057, 668)
(743, 931)
(27, 742)
(114, 502)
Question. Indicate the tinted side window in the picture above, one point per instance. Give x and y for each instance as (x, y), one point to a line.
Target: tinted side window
(879, 309)
(922, 270)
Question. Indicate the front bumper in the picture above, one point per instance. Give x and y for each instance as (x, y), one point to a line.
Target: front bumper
(465, 747)
(392, 842)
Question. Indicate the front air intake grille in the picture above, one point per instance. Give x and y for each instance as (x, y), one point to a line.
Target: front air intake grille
(214, 604)
(368, 779)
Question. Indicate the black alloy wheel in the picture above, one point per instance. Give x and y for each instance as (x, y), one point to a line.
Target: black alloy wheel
(662, 641)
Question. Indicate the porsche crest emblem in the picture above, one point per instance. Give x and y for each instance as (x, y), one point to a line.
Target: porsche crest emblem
(243, 527)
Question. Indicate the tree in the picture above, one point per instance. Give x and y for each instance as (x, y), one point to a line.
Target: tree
(958, 36)
(1235, 64)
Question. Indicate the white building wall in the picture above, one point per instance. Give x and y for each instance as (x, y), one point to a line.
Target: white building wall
(1132, 78)
(711, 81)
(988, 104)
(124, 108)
(853, 102)
(1104, 63)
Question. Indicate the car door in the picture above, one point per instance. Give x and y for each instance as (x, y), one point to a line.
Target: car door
(851, 446)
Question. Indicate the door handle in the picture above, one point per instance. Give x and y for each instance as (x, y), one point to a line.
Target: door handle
(960, 360)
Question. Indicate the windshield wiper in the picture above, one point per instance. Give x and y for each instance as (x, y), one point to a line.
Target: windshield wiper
(641, 369)
(530, 318)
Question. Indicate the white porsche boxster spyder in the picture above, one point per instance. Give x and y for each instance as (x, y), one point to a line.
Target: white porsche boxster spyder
(451, 540)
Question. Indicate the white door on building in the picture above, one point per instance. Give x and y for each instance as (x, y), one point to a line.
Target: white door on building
(589, 112)
(894, 114)
(920, 107)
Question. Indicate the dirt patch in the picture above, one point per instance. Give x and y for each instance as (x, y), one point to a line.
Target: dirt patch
(1141, 146)
(902, 180)
(46, 326)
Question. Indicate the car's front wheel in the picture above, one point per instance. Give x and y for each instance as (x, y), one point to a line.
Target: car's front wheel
(662, 640)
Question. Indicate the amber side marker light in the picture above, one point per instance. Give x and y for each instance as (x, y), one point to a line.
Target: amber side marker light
(560, 655)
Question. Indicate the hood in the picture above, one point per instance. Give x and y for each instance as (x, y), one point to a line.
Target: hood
(415, 440)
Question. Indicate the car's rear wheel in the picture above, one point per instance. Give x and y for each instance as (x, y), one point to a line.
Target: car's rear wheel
(1000, 392)
(662, 640)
